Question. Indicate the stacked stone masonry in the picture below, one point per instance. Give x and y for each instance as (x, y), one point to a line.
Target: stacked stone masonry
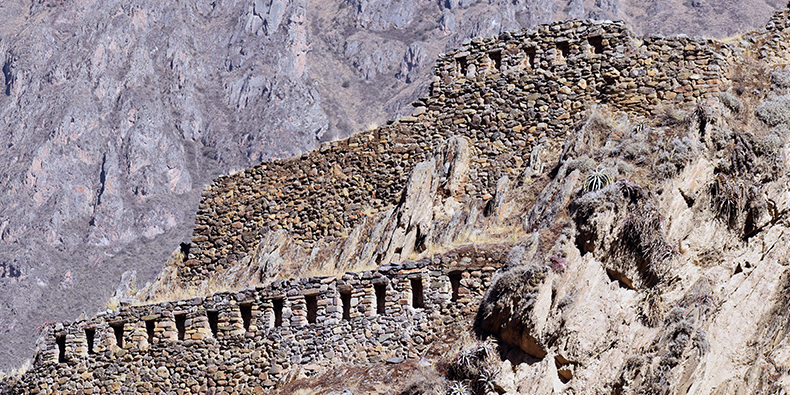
(772, 41)
(240, 342)
(509, 95)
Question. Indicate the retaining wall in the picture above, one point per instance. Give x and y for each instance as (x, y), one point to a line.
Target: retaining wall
(240, 342)
(511, 96)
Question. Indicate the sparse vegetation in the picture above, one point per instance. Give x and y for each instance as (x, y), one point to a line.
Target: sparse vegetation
(774, 111)
(558, 264)
(721, 137)
(780, 77)
(671, 116)
(458, 388)
(112, 304)
(732, 102)
(597, 180)
(568, 299)
(487, 381)
(474, 369)
(772, 142)
(651, 309)
(631, 190)
(642, 236)
(727, 197)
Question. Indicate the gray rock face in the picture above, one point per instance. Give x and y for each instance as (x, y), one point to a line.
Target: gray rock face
(113, 114)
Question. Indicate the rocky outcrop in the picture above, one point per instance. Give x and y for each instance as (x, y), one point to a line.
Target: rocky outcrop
(501, 97)
(142, 109)
(647, 257)
(117, 113)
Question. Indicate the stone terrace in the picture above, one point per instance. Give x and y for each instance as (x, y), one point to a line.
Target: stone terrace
(511, 95)
(241, 342)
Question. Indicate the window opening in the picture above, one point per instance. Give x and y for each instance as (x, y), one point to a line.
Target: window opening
(150, 328)
(530, 56)
(455, 283)
(246, 315)
(496, 57)
(381, 295)
(564, 47)
(416, 293)
(312, 307)
(462, 65)
(596, 43)
(118, 331)
(181, 321)
(278, 312)
(61, 340)
(90, 335)
(345, 297)
(213, 320)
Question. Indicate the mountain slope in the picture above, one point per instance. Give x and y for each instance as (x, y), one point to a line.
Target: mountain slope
(114, 114)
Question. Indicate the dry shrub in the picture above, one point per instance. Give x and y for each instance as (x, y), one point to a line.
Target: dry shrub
(732, 102)
(780, 77)
(426, 382)
(642, 238)
(598, 130)
(774, 111)
(671, 116)
(727, 198)
(673, 156)
(651, 310)
(474, 368)
(600, 126)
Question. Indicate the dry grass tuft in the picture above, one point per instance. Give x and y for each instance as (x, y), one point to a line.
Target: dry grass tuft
(418, 378)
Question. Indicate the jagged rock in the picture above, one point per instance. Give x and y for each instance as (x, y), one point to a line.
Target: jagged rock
(147, 101)
(578, 311)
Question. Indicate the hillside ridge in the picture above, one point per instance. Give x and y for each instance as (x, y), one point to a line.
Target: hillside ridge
(469, 169)
(511, 96)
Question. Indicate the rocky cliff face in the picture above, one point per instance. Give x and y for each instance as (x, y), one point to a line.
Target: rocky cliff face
(636, 245)
(114, 115)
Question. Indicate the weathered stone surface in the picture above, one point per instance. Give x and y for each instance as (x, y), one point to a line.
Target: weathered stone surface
(320, 335)
(572, 283)
(320, 197)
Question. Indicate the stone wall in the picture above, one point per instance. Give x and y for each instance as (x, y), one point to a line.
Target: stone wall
(509, 95)
(772, 41)
(512, 96)
(317, 196)
(542, 80)
(242, 341)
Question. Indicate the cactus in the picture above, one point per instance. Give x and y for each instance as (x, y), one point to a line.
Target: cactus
(597, 180)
